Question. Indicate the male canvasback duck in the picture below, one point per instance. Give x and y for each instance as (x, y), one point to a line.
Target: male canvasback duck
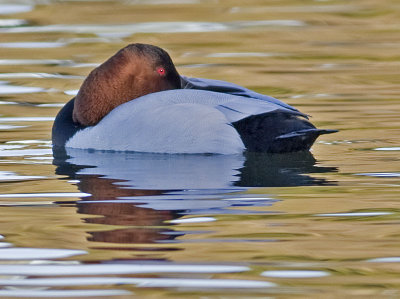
(137, 101)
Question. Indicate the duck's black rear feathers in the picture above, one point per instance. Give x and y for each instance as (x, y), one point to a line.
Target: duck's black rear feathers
(278, 132)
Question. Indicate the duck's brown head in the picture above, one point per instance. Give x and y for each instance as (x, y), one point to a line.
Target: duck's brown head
(134, 71)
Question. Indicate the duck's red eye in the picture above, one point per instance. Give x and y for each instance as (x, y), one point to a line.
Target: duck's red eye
(161, 71)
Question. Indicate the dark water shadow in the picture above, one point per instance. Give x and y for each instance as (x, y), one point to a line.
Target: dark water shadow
(282, 170)
(145, 192)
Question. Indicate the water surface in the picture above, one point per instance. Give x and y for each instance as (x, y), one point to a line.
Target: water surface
(92, 224)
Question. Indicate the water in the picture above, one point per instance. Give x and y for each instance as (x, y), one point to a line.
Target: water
(120, 225)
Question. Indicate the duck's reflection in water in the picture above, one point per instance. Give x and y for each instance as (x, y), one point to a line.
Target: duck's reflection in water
(147, 223)
(144, 191)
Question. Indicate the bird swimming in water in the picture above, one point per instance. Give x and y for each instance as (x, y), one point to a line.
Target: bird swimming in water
(137, 101)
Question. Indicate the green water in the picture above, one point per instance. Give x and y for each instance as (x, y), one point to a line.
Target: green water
(302, 226)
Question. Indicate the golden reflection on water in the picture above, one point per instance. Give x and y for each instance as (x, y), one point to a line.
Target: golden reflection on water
(335, 60)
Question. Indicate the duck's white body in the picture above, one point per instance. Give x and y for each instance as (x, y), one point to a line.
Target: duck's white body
(174, 121)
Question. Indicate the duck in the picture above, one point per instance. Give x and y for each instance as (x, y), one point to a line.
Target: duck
(137, 101)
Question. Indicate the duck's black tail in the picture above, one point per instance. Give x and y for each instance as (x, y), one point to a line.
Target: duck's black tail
(278, 132)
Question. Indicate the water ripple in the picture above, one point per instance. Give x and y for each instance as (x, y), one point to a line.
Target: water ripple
(37, 75)
(35, 62)
(8, 9)
(194, 220)
(387, 149)
(12, 176)
(12, 89)
(10, 127)
(117, 268)
(35, 195)
(26, 119)
(21, 153)
(61, 293)
(139, 282)
(50, 105)
(244, 54)
(381, 174)
(295, 273)
(32, 45)
(391, 259)
(28, 141)
(72, 92)
(11, 146)
(355, 214)
(12, 22)
(37, 253)
(165, 2)
(150, 27)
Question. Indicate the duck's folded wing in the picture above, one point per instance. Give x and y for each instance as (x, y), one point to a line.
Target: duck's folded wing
(230, 88)
(232, 106)
(237, 109)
